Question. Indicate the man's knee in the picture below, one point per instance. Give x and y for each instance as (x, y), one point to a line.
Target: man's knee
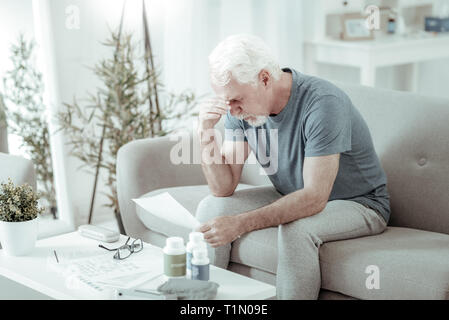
(296, 232)
(211, 207)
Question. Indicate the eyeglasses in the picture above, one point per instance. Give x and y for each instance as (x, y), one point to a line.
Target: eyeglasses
(126, 250)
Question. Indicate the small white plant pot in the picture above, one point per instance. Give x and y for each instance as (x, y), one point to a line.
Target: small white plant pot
(18, 238)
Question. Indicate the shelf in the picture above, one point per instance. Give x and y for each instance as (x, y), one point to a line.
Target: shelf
(387, 42)
(415, 3)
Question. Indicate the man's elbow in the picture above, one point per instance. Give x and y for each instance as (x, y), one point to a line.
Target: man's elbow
(320, 203)
(222, 192)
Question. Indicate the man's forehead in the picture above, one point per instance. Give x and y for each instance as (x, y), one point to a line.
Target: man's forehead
(227, 95)
(228, 92)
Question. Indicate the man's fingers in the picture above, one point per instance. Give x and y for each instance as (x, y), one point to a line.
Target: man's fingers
(210, 116)
(218, 110)
(215, 244)
(208, 235)
(215, 104)
(216, 100)
(204, 227)
(214, 110)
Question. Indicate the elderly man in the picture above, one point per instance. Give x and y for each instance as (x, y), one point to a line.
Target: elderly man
(328, 183)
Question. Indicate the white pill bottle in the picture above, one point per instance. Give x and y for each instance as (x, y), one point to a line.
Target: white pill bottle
(196, 240)
(174, 257)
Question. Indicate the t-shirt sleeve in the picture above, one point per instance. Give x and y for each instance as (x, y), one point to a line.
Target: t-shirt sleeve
(327, 127)
(234, 130)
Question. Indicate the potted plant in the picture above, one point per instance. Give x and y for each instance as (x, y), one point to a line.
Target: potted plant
(18, 218)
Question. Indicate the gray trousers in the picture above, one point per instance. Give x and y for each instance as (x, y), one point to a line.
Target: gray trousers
(298, 270)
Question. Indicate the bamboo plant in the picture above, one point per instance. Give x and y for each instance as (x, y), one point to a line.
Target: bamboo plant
(127, 106)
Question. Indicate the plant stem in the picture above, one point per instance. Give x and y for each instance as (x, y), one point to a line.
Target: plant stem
(96, 175)
(104, 130)
(149, 55)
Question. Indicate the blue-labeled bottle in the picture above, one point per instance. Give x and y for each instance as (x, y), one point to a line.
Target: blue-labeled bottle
(196, 240)
(200, 264)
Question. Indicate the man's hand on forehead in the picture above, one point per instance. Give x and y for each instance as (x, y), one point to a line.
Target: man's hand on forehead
(221, 100)
(211, 110)
(218, 103)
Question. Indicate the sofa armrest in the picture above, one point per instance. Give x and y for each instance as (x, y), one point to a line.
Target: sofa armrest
(3, 127)
(143, 166)
(19, 169)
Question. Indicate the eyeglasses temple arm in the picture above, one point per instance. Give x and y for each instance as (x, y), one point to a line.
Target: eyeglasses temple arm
(102, 246)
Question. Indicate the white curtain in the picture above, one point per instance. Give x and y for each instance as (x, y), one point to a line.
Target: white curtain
(192, 28)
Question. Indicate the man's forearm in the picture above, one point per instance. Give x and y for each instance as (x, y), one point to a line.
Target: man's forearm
(218, 174)
(299, 204)
(219, 178)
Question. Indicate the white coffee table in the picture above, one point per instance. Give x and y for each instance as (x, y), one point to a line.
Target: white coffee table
(30, 277)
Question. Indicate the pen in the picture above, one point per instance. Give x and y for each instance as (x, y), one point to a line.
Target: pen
(56, 256)
(135, 293)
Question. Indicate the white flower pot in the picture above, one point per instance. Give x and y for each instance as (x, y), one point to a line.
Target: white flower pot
(18, 238)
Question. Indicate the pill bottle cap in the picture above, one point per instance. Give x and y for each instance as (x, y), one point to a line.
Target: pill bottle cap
(196, 237)
(175, 243)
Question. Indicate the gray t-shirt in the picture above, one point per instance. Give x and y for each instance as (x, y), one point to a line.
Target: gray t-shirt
(319, 119)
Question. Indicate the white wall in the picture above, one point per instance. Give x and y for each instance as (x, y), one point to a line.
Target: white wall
(434, 78)
(15, 17)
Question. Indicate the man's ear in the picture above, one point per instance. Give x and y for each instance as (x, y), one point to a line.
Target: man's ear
(264, 77)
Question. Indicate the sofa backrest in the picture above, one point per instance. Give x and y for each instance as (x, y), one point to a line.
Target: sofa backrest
(411, 136)
(3, 128)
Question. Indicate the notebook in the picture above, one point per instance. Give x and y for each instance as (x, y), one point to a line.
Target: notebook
(98, 272)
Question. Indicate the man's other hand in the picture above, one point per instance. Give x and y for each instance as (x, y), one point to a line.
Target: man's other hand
(221, 230)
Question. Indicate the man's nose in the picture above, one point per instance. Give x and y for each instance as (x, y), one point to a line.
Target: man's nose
(235, 110)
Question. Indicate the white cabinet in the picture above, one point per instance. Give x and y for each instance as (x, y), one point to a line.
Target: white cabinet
(385, 50)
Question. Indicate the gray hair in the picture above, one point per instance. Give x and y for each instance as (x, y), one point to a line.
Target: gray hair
(242, 56)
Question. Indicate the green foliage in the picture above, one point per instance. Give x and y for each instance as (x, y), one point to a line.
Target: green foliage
(24, 88)
(125, 108)
(18, 203)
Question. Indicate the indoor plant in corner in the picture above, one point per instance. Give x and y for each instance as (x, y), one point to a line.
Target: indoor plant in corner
(18, 218)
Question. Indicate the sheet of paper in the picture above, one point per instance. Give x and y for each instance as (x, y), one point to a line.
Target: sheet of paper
(164, 206)
(128, 281)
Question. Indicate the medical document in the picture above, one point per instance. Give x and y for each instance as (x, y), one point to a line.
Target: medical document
(164, 206)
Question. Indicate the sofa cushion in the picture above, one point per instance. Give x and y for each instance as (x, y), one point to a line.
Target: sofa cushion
(188, 196)
(412, 264)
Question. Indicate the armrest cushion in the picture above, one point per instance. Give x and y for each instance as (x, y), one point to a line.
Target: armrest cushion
(145, 165)
(19, 169)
